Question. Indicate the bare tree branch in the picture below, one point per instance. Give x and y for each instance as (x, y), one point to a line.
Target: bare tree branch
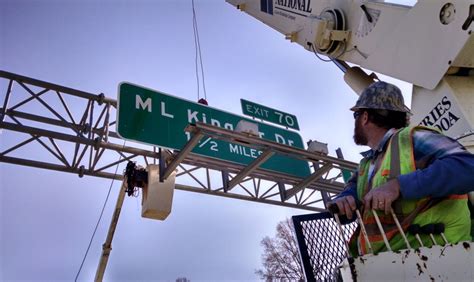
(280, 258)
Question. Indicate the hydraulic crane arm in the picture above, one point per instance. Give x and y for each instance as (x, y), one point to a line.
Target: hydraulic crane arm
(416, 44)
(429, 45)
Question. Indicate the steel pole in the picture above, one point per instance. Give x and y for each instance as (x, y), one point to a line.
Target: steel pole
(107, 246)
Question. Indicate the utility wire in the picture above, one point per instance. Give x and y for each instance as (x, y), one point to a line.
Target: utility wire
(198, 55)
(200, 60)
(316, 53)
(331, 59)
(100, 217)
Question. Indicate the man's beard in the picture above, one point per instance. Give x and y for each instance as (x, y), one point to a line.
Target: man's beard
(359, 137)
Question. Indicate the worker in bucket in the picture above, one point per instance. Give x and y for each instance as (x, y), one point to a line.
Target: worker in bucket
(416, 172)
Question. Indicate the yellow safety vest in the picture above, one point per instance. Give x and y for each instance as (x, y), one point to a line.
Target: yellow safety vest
(452, 211)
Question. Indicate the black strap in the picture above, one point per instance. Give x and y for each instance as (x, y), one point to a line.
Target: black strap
(395, 169)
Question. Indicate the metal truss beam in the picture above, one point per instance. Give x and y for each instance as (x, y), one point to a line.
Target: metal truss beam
(182, 154)
(49, 126)
(251, 167)
(306, 182)
(255, 142)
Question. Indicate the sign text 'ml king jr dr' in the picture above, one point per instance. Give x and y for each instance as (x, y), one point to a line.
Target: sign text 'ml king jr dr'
(159, 119)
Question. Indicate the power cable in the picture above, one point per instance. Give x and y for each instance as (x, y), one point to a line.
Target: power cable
(100, 217)
(331, 59)
(200, 60)
(198, 54)
(316, 53)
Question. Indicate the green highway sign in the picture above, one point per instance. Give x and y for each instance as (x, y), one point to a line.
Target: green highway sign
(275, 116)
(159, 119)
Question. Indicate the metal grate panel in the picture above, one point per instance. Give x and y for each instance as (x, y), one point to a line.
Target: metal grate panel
(321, 246)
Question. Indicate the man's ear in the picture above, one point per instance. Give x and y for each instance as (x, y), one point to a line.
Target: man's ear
(365, 118)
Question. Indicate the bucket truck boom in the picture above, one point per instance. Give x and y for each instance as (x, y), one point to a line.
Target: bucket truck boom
(429, 45)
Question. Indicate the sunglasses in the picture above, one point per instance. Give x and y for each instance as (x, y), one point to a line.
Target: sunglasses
(357, 114)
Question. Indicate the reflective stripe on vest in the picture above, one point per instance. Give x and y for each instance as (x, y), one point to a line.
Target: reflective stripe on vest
(399, 159)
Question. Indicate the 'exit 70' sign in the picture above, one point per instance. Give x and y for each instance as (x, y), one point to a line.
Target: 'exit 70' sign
(269, 114)
(159, 119)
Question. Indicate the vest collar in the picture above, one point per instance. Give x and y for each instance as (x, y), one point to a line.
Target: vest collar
(369, 154)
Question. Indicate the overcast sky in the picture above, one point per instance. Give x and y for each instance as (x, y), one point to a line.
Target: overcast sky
(47, 217)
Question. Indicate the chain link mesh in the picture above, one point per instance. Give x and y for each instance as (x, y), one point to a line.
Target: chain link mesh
(321, 247)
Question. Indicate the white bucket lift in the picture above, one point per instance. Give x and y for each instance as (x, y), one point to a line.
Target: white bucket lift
(157, 197)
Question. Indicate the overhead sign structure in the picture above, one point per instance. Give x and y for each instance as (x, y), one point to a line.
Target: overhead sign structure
(275, 116)
(159, 119)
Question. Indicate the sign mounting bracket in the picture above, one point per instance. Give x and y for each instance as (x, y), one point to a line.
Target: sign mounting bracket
(182, 154)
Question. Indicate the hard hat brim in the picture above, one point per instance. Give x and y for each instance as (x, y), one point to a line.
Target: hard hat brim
(404, 110)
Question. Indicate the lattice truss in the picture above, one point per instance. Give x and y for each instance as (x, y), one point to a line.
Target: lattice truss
(49, 126)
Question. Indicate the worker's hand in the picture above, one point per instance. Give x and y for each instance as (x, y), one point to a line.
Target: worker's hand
(382, 197)
(346, 205)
